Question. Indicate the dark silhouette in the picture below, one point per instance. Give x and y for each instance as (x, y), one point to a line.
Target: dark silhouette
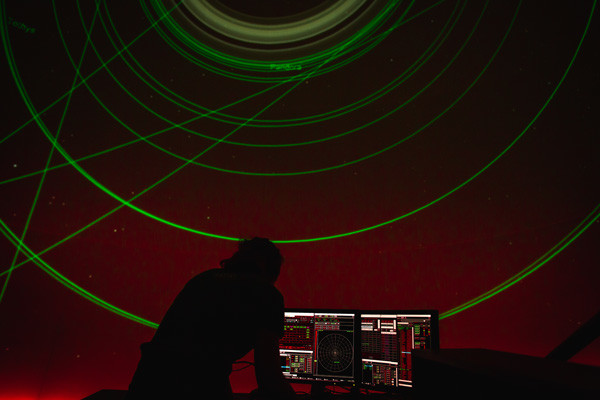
(582, 337)
(218, 317)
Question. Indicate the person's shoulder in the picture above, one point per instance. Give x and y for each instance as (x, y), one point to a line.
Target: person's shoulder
(204, 277)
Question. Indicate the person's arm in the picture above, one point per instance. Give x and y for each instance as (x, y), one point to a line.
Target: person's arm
(269, 378)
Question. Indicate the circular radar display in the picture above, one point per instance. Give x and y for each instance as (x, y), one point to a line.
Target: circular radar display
(335, 354)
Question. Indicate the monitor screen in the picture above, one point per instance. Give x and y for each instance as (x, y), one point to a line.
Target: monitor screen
(319, 346)
(386, 341)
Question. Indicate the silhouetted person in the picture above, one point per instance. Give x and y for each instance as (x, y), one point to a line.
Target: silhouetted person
(218, 317)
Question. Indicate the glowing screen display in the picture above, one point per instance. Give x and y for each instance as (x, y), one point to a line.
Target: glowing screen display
(386, 343)
(318, 346)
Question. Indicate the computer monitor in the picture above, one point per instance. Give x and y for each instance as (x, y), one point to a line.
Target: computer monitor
(357, 348)
(319, 346)
(386, 341)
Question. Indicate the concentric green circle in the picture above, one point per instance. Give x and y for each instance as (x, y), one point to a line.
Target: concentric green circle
(237, 67)
(260, 31)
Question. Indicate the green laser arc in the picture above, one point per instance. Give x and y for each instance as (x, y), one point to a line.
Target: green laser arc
(404, 21)
(46, 131)
(242, 64)
(531, 268)
(43, 177)
(584, 225)
(189, 229)
(70, 284)
(380, 93)
(363, 126)
(527, 271)
(64, 95)
(231, 119)
(318, 115)
(118, 146)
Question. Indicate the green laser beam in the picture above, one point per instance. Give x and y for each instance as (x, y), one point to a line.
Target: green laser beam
(177, 125)
(553, 252)
(531, 268)
(179, 226)
(77, 288)
(89, 225)
(47, 132)
(233, 63)
(157, 218)
(536, 265)
(283, 123)
(223, 117)
(4, 30)
(54, 274)
(51, 153)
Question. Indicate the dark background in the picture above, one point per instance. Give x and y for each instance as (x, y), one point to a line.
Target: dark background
(57, 344)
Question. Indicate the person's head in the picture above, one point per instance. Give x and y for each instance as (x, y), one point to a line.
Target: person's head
(256, 255)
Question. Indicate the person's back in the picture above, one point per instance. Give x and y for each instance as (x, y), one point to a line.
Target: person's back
(218, 317)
